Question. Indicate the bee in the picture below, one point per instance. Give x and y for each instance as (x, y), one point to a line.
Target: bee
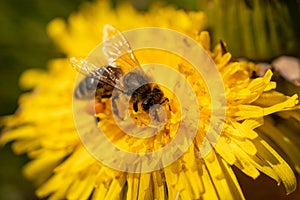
(106, 74)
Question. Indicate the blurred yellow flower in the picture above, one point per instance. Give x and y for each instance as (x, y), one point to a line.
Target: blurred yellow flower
(62, 168)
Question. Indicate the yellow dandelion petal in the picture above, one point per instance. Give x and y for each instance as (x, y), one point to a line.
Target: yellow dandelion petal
(251, 111)
(58, 184)
(42, 166)
(259, 84)
(159, 190)
(18, 134)
(26, 80)
(81, 187)
(264, 167)
(253, 123)
(222, 148)
(133, 186)
(245, 129)
(246, 145)
(283, 137)
(204, 40)
(79, 160)
(278, 164)
(145, 187)
(290, 102)
(209, 189)
(226, 188)
(100, 192)
(229, 71)
(233, 184)
(115, 188)
(195, 182)
(270, 98)
(244, 162)
(224, 60)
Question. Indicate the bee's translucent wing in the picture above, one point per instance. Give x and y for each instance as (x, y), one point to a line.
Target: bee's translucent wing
(114, 51)
(87, 68)
(84, 66)
(117, 49)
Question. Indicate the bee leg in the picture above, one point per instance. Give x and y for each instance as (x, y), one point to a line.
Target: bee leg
(156, 116)
(135, 105)
(106, 96)
(166, 101)
(97, 119)
(114, 105)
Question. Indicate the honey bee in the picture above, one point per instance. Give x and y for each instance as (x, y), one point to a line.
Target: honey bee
(101, 79)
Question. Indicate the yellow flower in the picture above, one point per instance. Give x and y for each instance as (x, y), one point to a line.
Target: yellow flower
(62, 168)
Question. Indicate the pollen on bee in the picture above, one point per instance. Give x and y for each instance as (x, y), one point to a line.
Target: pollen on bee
(95, 108)
(99, 107)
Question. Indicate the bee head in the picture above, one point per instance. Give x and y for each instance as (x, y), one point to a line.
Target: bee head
(154, 97)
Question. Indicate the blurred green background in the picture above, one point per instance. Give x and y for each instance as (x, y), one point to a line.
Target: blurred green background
(24, 44)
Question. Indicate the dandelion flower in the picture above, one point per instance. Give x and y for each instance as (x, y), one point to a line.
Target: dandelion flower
(62, 168)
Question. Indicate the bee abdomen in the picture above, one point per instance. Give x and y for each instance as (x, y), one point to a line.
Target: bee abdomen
(86, 88)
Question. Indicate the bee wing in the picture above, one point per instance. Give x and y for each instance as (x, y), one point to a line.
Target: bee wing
(83, 66)
(114, 51)
(87, 68)
(117, 49)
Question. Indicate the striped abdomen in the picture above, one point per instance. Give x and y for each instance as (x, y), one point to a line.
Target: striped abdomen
(99, 84)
